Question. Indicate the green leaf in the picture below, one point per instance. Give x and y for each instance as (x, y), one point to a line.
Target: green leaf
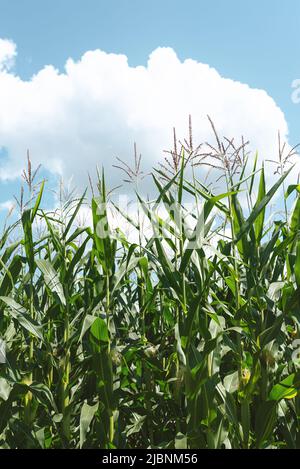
(284, 390)
(10, 278)
(28, 241)
(37, 202)
(51, 279)
(73, 216)
(5, 388)
(75, 262)
(297, 264)
(137, 424)
(99, 330)
(198, 237)
(291, 189)
(265, 422)
(22, 317)
(259, 222)
(261, 206)
(269, 334)
(86, 416)
(43, 395)
(102, 236)
(295, 218)
(253, 173)
(231, 382)
(87, 323)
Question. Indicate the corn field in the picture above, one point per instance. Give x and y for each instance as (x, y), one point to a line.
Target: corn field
(182, 338)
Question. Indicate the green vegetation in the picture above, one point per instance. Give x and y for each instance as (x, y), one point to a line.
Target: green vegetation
(181, 340)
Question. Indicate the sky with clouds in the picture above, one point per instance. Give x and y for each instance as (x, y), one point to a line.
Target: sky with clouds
(81, 81)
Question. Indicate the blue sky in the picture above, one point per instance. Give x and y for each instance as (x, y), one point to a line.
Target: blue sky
(253, 42)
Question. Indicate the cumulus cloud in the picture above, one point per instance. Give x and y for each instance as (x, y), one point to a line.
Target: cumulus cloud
(8, 53)
(100, 105)
(7, 206)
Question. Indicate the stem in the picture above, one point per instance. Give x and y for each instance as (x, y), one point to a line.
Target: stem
(234, 250)
(66, 378)
(66, 366)
(110, 411)
(28, 417)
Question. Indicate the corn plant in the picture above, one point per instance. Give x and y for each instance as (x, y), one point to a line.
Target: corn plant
(188, 338)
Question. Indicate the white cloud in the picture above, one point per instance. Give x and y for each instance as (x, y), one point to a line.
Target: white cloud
(100, 105)
(8, 53)
(7, 206)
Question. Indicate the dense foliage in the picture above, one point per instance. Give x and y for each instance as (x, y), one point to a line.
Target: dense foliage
(186, 339)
